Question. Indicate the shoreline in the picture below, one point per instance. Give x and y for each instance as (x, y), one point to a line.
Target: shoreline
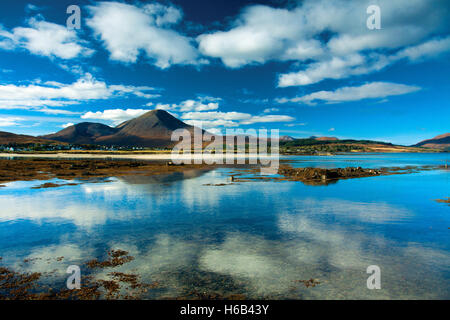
(165, 156)
(91, 169)
(169, 157)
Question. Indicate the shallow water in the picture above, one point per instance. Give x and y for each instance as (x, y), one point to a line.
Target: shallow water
(253, 238)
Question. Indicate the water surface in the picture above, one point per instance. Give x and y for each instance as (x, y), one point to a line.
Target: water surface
(253, 238)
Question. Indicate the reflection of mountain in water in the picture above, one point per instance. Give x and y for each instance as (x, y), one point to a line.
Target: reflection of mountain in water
(164, 178)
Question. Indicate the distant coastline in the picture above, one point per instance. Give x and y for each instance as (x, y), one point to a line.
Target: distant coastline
(167, 155)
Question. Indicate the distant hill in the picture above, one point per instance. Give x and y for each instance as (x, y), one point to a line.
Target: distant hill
(82, 133)
(329, 141)
(152, 129)
(326, 138)
(315, 145)
(7, 138)
(440, 142)
(286, 138)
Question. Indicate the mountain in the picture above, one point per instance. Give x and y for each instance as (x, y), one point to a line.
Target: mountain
(7, 138)
(152, 129)
(440, 142)
(286, 138)
(326, 138)
(82, 133)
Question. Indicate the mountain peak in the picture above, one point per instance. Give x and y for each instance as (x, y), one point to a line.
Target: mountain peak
(82, 133)
(152, 129)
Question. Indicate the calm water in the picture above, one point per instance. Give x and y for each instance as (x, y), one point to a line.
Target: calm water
(255, 238)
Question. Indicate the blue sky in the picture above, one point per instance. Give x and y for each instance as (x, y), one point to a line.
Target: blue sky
(303, 67)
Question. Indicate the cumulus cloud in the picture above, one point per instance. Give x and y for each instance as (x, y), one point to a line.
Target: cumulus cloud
(217, 115)
(201, 103)
(212, 124)
(54, 94)
(335, 68)
(45, 39)
(431, 48)
(371, 90)
(191, 105)
(268, 118)
(269, 110)
(147, 31)
(261, 33)
(230, 119)
(116, 116)
(329, 38)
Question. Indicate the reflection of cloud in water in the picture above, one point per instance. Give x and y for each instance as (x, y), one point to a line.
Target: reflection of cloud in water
(267, 267)
(331, 240)
(374, 212)
(98, 203)
(337, 256)
(252, 258)
(126, 198)
(53, 258)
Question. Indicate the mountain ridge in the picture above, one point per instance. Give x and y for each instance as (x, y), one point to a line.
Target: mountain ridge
(8, 138)
(152, 129)
(441, 141)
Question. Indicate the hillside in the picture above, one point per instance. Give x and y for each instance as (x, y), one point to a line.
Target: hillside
(439, 142)
(313, 145)
(7, 138)
(152, 129)
(326, 139)
(82, 133)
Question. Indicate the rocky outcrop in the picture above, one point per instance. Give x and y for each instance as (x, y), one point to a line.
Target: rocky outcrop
(321, 174)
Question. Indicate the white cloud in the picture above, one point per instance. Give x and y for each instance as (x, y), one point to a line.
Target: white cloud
(269, 110)
(329, 37)
(66, 125)
(230, 119)
(116, 116)
(139, 91)
(146, 31)
(295, 124)
(45, 39)
(192, 105)
(204, 103)
(371, 90)
(340, 67)
(268, 118)
(335, 68)
(9, 121)
(427, 49)
(215, 115)
(212, 124)
(54, 94)
(260, 34)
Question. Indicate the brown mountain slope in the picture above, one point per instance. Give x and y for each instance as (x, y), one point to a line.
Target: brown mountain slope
(286, 138)
(439, 142)
(152, 129)
(326, 139)
(7, 138)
